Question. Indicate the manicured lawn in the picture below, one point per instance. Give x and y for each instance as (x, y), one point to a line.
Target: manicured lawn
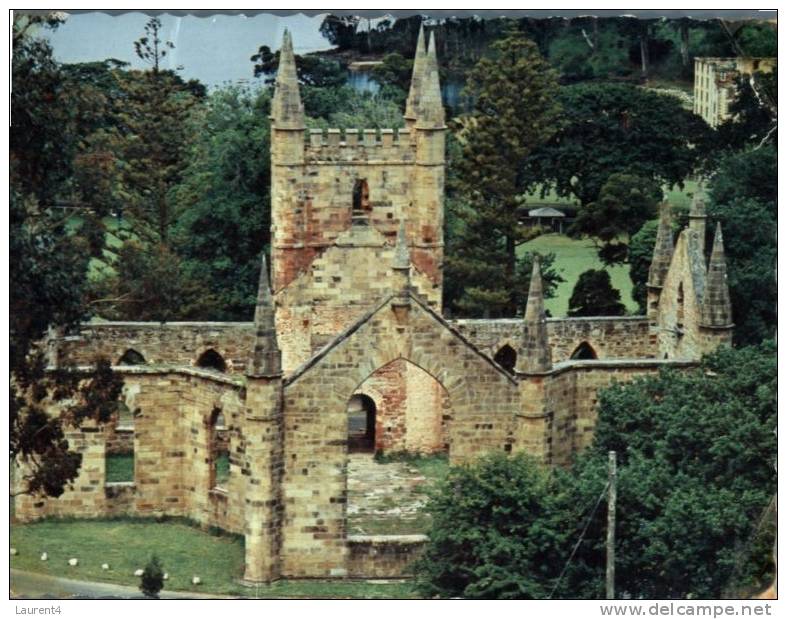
(184, 551)
(573, 257)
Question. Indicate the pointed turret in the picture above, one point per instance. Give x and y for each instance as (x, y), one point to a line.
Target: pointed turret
(662, 251)
(716, 307)
(266, 356)
(535, 354)
(417, 79)
(431, 114)
(697, 218)
(286, 107)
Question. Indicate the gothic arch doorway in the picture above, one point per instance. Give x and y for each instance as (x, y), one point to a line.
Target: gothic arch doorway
(362, 423)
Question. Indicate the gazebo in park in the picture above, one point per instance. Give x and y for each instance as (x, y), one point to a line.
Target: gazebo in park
(547, 217)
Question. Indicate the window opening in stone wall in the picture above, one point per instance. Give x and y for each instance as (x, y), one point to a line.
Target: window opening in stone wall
(131, 357)
(218, 450)
(362, 420)
(361, 196)
(506, 358)
(679, 318)
(212, 360)
(584, 351)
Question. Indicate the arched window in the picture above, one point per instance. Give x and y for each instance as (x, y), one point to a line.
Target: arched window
(212, 360)
(361, 424)
(506, 358)
(218, 450)
(361, 196)
(584, 351)
(131, 357)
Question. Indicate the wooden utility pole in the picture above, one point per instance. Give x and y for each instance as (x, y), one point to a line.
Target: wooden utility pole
(612, 496)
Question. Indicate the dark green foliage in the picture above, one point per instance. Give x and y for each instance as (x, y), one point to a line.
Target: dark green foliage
(507, 123)
(743, 199)
(152, 579)
(496, 532)
(594, 295)
(395, 70)
(224, 200)
(312, 70)
(616, 128)
(48, 268)
(624, 204)
(753, 114)
(640, 256)
(696, 454)
(757, 39)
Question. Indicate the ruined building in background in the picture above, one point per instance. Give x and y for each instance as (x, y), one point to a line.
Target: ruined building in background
(715, 85)
(349, 351)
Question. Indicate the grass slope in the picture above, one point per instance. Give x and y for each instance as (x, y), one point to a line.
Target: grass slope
(184, 551)
(573, 257)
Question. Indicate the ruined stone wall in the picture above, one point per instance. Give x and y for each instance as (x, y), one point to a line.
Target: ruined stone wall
(315, 422)
(617, 337)
(171, 343)
(572, 395)
(171, 464)
(680, 303)
(413, 409)
(338, 288)
(383, 556)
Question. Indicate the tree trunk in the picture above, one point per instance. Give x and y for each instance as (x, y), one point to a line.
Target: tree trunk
(684, 43)
(643, 52)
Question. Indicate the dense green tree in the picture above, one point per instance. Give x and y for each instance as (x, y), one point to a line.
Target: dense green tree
(395, 70)
(47, 270)
(753, 120)
(757, 39)
(696, 452)
(624, 204)
(640, 256)
(496, 532)
(224, 199)
(508, 122)
(313, 70)
(593, 295)
(743, 198)
(617, 128)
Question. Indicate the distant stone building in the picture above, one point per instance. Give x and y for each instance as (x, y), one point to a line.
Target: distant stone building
(714, 84)
(349, 350)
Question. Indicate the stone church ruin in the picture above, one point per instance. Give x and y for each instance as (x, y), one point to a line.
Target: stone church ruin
(349, 351)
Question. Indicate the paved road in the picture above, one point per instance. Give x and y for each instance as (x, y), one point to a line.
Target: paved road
(28, 585)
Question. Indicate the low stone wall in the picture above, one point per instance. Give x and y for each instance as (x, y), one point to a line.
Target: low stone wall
(612, 337)
(119, 498)
(383, 556)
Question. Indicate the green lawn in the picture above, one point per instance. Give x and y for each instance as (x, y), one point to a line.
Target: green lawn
(573, 257)
(184, 550)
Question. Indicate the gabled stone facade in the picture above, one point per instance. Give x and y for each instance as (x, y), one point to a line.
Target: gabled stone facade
(353, 308)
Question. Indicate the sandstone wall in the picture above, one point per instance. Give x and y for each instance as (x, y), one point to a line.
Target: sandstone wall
(614, 337)
(170, 442)
(315, 422)
(171, 343)
(383, 556)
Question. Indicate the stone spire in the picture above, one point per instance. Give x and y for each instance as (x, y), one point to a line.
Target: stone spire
(535, 354)
(416, 81)
(697, 219)
(662, 252)
(266, 356)
(716, 308)
(431, 114)
(286, 107)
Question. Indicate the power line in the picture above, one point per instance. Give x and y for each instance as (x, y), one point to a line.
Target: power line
(601, 496)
